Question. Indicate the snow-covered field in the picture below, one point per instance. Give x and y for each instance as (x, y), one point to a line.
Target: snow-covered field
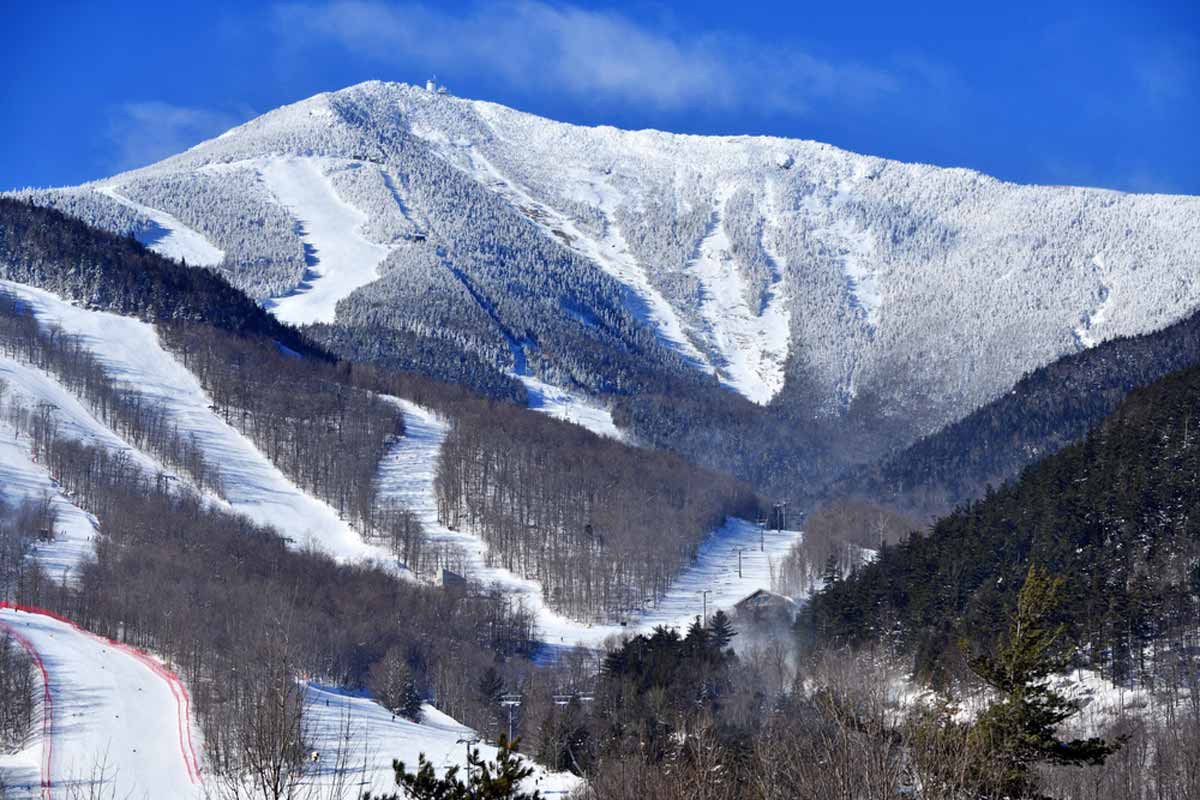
(252, 485)
(116, 720)
(368, 737)
(340, 258)
(407, 477)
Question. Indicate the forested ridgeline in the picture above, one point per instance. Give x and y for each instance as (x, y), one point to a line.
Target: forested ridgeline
(421, 353)
(48, 249)
(1046, 410)
(1114, 515)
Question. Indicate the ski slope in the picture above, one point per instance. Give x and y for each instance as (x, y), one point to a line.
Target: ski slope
(171, 238)
(554, 401)
(340, 258)
(752, 346)
(610, 252)
(407, 477)
(23, 479)
(252, 485)
(367, 737)
(114, 721)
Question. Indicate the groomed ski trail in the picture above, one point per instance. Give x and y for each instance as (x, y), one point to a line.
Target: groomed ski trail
(133, 355)
(407, 477)
(114, 719)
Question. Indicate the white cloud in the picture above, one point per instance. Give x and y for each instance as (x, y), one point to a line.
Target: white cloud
(583, 53)
(141, 133)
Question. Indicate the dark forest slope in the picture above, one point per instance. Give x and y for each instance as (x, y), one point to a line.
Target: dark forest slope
(1045, 411)
(1117, 515)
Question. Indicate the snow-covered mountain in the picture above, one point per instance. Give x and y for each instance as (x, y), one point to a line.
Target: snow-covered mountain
(802, 275)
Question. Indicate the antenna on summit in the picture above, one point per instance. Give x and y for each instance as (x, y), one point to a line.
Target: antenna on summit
(431, 85)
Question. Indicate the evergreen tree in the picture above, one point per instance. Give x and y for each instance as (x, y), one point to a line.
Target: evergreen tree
(721, 632)
(1019, 729)
(491, 686)
(395, 686)
(486, 780)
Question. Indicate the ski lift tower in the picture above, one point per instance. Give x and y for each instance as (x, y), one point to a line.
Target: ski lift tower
(512, 700)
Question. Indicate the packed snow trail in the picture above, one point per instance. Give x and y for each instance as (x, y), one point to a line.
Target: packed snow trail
(568, 406)
(341, 259)
(132, 354)
(367, 737)
(407, 478)
(116, 720)
(171, 238)
(22, 479)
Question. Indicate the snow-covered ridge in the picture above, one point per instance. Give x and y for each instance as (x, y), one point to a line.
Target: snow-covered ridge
(867, 264)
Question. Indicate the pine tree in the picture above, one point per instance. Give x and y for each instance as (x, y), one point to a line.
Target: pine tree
(486, 780)
(1019, 729)
(721, 632)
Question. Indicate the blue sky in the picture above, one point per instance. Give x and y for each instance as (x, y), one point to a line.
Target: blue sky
(1049, 92)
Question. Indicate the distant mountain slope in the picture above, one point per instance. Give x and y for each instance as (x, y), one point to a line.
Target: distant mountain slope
(1048, 409)
(886, 298)
(1115, 515)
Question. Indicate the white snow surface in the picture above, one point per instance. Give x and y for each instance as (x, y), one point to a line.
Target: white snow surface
(571, 407)
(173, 239)
(131, 352)
(110, 706)
(369, 737)
(752, 347)
(341, 259)
(407, 477)
(23, 479)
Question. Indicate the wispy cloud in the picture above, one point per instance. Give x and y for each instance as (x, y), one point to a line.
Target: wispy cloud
(564, 49)
(141, 133)
(1168, 72)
